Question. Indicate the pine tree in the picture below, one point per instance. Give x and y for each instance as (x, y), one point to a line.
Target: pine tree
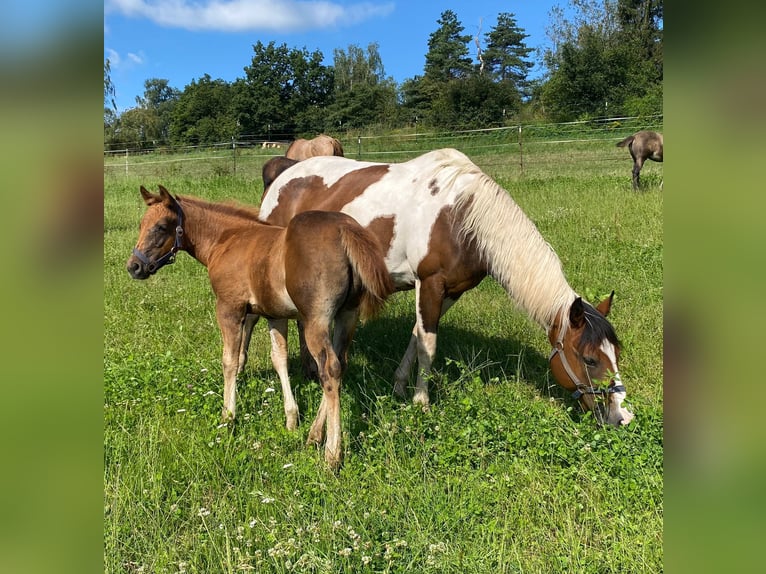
(506, 53)
(447, 58)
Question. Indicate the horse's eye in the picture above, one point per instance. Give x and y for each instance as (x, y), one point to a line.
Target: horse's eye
(590, 361)
(162, 228)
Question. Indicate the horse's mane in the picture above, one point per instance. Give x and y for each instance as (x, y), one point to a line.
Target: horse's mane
(230, 209)
(515, 252)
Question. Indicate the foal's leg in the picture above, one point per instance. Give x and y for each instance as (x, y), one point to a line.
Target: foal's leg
(278, 333)
(343, 334)
(320, 346)
(247, 333)
(230, 321)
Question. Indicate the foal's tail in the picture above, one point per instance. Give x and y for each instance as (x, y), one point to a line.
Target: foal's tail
(367, 261)
(627, 141)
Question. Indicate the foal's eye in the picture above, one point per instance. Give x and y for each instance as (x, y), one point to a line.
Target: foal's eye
(590, 361)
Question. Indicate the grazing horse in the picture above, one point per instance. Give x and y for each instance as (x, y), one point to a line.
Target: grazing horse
(323, 144)
(643, 145)
(322, 267)
(444, 225)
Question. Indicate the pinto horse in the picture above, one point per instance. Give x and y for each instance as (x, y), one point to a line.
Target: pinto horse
(322, 267)
(323, 144)
(643, 145)
(445, 225)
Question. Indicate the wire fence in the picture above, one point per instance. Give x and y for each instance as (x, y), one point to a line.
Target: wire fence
(518, 150)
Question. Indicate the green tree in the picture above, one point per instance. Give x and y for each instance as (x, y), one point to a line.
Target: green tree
(158, 100)
(110, 107)
(607, 60)
(284, 91)
(506, 55)
(474, 102)
(363, 96)
(203, 113)
(447, 58)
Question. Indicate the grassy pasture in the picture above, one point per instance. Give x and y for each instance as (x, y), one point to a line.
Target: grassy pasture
(503, 474)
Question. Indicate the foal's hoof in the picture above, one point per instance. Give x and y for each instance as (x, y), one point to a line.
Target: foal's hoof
(315, 439)
(291, 421)
(422, 399)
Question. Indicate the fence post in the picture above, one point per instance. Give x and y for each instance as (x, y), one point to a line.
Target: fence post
(126, 161)
(234, 153)
(359, 147)
(521, 152)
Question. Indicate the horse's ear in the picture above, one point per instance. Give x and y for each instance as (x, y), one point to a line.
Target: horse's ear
(577, 313)
(149, 197)
(606, 305)
(167, 199)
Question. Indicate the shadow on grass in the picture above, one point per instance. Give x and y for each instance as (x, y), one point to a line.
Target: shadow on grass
(379, 346)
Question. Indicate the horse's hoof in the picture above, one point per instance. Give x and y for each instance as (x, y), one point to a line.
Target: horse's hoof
(227, 417)
(422, 399)
(333, 461)
(314, 439)
(291, 421)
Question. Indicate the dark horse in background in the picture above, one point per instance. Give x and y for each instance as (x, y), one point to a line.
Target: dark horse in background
(642, 145)
(323, 144)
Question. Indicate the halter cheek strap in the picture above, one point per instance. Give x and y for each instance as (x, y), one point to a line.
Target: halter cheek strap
(170, 256)
(582, 389)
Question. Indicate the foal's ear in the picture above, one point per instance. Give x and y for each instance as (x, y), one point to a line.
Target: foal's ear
(166, 198)
(606, 305)
(149, 197)
(577, 313)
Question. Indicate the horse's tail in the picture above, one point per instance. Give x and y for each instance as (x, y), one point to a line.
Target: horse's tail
(627, 141)
(368, 263)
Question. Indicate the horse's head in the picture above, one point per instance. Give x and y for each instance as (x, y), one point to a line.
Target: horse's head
(585, 358)
(160, 234)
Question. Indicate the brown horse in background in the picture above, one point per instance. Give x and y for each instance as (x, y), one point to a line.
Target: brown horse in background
(323, 144)
(643, 145)
(321, 268)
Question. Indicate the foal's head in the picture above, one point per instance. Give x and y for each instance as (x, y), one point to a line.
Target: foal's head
(160, 235)
(585, 358)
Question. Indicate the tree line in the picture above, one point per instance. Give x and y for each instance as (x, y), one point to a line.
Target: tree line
(606, 60)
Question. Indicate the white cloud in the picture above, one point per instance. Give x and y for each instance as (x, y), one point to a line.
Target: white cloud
(113, 56)
(242, 15)
(135, 58)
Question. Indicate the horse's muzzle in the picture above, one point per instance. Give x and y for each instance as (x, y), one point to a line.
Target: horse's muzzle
(137, 269)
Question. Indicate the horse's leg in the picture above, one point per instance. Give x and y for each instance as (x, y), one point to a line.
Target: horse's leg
(230, 321)
(320, 346)
(343, 334)
(430, 304)
(278, 333)
(402, 374)
(637, 165)
(308, 365)
(247, 333)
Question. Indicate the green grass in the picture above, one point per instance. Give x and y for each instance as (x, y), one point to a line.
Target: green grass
(503, 474)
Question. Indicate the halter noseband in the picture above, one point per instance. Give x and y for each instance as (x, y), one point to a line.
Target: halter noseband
(170, 256)
(582, 389)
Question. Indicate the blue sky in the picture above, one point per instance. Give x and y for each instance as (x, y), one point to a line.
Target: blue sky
(181, 40)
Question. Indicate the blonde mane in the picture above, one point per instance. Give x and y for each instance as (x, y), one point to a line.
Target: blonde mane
(517, 255)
